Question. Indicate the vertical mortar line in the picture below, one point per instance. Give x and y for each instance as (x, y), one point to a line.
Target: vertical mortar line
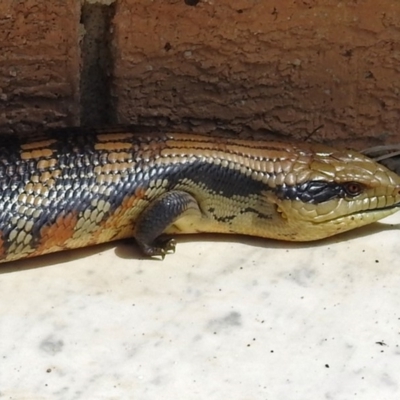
(96, 106)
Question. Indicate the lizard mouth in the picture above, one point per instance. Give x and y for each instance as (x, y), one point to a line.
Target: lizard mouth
(372, 210)
(395, 205)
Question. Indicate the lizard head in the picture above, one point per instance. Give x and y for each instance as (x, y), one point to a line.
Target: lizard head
(334, 191)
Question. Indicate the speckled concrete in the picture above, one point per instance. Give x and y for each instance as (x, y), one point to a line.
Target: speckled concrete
(224, 317)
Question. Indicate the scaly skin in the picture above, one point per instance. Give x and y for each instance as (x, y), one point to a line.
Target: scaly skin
(75, 188)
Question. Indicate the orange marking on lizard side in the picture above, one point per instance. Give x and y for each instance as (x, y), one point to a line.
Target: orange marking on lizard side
(121, 223)
(53, 237)
(140, 193)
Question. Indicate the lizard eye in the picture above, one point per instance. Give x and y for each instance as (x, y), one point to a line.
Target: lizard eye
(353, 188)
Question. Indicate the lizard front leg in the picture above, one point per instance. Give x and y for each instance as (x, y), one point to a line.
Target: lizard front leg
(160, 214)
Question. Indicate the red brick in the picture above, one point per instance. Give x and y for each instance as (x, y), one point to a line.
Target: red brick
(288, 67)
(39, 64)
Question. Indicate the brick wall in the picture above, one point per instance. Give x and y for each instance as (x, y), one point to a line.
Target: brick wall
(245, 65)
(39, 64)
